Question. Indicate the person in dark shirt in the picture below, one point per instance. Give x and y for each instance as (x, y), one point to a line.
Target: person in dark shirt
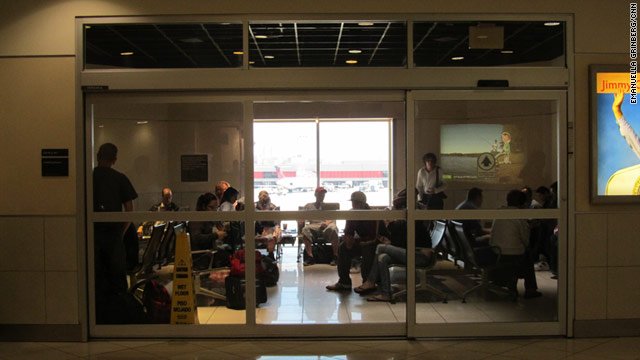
(166, 204)
(204, 234)
(112, 192)
(359, 239)
(394, 252)
(473, 229)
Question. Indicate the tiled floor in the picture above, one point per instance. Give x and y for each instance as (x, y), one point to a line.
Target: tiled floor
(301, 298)
(533, 348)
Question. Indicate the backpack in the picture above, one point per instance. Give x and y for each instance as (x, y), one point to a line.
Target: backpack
(157, 302)
(270, 272)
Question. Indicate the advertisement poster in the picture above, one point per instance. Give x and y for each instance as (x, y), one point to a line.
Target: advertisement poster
(617, 125)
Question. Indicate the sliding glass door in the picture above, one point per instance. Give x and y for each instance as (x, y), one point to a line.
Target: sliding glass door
(500, 160)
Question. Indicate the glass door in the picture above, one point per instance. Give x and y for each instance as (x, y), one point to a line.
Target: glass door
(490, 226)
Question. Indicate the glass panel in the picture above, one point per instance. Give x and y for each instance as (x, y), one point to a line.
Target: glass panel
(487, 155)
(361, 162)
(342, 162)
(485, 273)
(174, 155)
(495, 146)
(328, 44)
(285, 162)
(163, 46)
(180, 146)
(495, 43)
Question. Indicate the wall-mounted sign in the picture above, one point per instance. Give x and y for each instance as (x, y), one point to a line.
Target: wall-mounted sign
(194, 168)
(55, 162)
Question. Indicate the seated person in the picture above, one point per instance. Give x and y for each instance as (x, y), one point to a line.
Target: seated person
(393, 253)
(359, 240)
(164, 205)
(204, 235)
(512, 237)
(267, 232)
(234, 229)
(316, 228)
(220, 188)
(473, 229)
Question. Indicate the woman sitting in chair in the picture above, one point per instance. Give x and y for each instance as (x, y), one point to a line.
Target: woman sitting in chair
(267, 232)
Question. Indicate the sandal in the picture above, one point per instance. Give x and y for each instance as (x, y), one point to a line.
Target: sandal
(379, 297)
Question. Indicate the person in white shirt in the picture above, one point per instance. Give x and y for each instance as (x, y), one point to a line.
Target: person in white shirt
(316, 228)
(512, 237)
(429, 183)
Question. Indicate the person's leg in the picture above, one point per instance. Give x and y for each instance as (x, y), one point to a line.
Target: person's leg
(387, 255)
(307, 236)
(527, 271)
(368, 254)
(507, 272)
(330, 235)
(344, 263)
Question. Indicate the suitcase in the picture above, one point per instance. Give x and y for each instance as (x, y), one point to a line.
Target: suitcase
(235, 289)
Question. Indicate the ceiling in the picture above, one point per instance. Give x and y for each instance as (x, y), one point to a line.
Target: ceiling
(318, 44)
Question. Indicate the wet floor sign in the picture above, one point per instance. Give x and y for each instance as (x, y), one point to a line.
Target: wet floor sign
(183, 307)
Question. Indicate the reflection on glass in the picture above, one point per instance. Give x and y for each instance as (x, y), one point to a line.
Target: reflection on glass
(495, 146)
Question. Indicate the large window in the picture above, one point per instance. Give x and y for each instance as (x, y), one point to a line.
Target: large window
(293, 157)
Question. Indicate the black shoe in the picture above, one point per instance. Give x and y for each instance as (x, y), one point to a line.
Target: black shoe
(339, 287)
(530, 294)
(309, 261)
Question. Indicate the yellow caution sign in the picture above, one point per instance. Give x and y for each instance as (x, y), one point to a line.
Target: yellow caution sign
(183, 306)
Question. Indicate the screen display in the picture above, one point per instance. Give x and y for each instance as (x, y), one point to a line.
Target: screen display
(486, 153)
(616, 129)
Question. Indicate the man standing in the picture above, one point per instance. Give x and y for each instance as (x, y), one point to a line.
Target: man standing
(316, 228)
(112, 192)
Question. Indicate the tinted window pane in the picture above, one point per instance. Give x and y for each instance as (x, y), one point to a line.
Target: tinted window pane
(362, 44)
(500, 43)
(163, 46)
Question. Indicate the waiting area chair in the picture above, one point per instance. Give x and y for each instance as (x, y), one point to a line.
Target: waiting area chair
(437, 234)
(478, 261)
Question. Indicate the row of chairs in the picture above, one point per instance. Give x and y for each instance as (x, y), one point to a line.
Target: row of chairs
(160, 251)
(449, 238)
(477, 261)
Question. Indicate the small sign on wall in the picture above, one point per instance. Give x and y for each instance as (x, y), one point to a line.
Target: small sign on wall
(194, 168)
(55, 162)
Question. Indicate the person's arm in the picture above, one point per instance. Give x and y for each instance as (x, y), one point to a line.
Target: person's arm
(419, 182)
(127, 206)
(618, 97)
(440, 185)
(629, 135)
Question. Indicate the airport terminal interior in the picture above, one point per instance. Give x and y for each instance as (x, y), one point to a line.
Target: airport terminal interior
(297, 186)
